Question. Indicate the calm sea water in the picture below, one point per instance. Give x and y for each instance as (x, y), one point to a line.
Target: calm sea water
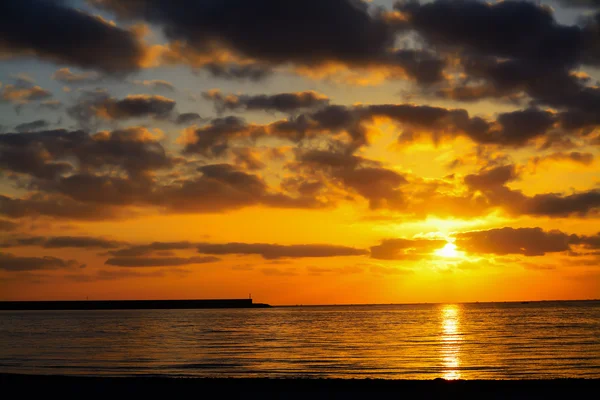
(463, 341)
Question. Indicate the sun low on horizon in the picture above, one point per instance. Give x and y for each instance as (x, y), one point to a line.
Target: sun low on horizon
(325, 152)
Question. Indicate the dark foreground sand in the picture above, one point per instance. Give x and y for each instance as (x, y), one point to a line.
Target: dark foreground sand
(24, 386)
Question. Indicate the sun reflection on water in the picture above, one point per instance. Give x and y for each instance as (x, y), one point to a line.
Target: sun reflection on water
(450, 341)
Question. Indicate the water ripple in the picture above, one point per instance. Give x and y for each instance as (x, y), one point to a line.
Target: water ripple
(468, 341)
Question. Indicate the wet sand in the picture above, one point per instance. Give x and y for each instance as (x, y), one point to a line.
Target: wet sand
(300, 388)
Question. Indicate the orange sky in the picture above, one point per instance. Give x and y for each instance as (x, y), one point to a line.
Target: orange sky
(388, 157)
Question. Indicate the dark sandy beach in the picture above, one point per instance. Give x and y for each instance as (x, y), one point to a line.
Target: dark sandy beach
(250, 388)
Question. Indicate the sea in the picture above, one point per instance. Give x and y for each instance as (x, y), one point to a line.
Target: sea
(530, 340)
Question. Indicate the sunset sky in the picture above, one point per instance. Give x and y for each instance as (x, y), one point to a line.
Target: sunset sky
(302, 151)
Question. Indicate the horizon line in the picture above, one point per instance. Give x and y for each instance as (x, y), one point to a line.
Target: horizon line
(313, 305)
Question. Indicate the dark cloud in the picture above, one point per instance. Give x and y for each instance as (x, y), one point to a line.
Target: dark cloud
(251, 72)
(276, 251)
(486, 40)
(382, 187)
(491, 183)
(353, 119)
(218, 181)
(31, 153)
(106, 171)
(221, 187)
(12, 263)
(525, 241)
(303, 32)
(579, 204)
(338, 175)
(52, 31)
(491, 178)
(213, 139)
(518, 127)
(282, 102)
(329, 120)
(80, 242)
(578, 120)
(554, 87)
(378, 185)
(56, 207)
(94, 107)
(405, 249)
(335, 119)
(8, 226)
(496, 29)
(147, 249)
(103, 190)
(515, 129)
(589, 242)
(158, 261)
(419, 116)
(59, 242)
(87, 195)
(422, 66)
(187, 118)
(32, 126)
(133, 149)
(136, 106)
(48, 154)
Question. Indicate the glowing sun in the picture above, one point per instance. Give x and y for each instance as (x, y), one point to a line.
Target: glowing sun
(449, 251)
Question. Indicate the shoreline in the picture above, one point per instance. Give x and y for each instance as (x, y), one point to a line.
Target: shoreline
(72, 385)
